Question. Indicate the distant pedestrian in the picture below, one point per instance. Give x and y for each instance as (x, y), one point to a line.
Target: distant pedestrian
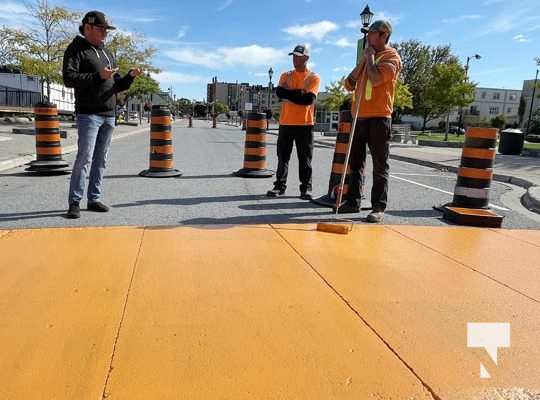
(92, 70)
(374, 82)
(297, 90)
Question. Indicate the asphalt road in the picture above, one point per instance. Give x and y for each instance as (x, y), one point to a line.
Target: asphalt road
(208, 194)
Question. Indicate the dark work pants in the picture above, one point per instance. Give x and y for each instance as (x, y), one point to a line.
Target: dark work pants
(302, 136)
(375, 133)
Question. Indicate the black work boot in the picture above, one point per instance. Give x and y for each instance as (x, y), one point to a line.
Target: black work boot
(97, 206)
(74, 211)
(275, 192)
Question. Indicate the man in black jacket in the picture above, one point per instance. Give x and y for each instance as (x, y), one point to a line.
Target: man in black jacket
(91, 69)
(297, 90)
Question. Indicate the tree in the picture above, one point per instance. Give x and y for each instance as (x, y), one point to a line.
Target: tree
(130, 51)
(447, 90)
(39, 49)
(498, 122)
(7, 51)
(201, 109)
(336, 95)
(419, 61)
(221, 107)
(403, 99)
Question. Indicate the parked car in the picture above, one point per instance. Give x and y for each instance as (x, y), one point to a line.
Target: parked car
(456, 130)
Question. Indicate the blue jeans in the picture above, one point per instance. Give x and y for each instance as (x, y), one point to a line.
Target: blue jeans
(95, 133)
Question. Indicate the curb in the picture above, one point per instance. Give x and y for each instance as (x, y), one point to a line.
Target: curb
(17, 162)
(532, 201)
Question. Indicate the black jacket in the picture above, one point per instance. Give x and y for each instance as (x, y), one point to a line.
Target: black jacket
(93, 95)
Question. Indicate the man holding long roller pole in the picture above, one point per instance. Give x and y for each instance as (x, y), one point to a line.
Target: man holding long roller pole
(373, 82)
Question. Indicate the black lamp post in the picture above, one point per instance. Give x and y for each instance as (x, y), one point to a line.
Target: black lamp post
(366, 16)
(270, 74)
(533, 93)
(469, 58)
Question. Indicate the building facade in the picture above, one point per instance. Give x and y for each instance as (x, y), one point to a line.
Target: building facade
(237, 95)
(490, 103)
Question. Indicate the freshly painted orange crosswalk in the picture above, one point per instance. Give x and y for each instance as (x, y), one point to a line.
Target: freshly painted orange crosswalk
(264, 312)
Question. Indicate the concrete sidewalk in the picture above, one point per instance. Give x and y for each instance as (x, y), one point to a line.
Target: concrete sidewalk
(516, 170)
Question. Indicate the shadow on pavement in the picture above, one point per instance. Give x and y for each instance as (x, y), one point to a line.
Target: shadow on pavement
(32, 215)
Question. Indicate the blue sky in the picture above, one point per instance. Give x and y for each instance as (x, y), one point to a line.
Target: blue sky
(240, 39)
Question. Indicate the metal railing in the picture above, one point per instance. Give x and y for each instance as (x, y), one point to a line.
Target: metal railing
(18, 98)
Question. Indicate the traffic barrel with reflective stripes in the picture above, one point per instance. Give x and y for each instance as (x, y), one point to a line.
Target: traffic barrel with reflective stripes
(255, 148)
(48, 146)
(161, 145)
(338, 163)
(470, 205)
(214, 121)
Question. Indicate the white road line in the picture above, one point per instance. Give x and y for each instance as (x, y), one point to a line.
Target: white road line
(442, 191)
(430, 175)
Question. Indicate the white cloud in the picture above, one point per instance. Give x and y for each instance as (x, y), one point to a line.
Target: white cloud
(343, 42)
(511, 19)
(226, 4)
(461, 18)
(167, 78)
(342, 69)
(317, 30)
(253, 55)
(14, 15)
(182, 31)
(520, 38)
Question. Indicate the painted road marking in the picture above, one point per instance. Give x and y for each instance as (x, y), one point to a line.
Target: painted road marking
(442, 191)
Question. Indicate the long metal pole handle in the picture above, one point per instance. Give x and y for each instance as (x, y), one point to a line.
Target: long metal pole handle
(347, 155)
(349, 145)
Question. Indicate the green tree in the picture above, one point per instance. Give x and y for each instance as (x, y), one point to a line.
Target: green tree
(221, 107)
(447, 90)
(336, 95)
(403, 99)
(498, 122)
(39, 50)
(419, 61)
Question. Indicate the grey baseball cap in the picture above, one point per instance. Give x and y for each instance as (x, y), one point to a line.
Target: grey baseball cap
(300, 50)
(381, 25)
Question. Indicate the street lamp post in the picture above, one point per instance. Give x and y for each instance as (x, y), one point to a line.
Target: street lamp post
(533, 94)
(366, 16)
(469, 58)
(270, 74)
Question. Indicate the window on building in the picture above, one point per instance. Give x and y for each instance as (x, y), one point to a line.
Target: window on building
(496, 96)
(483, 95)
(474, 110)
(512, 97)
(494, 110)
(509, 110)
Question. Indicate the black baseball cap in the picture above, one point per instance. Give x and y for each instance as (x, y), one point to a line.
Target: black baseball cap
(97, 18)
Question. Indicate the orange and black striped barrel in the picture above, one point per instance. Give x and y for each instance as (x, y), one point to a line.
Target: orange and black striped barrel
(255, 148)
(338, 163)
(161, 145)
(48, 146)
(214, 121)
(476, 169)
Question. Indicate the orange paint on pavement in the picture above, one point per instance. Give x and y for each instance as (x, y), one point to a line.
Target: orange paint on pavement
(62, 293)
(236, 314)
(421, 301)
(264, 312)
